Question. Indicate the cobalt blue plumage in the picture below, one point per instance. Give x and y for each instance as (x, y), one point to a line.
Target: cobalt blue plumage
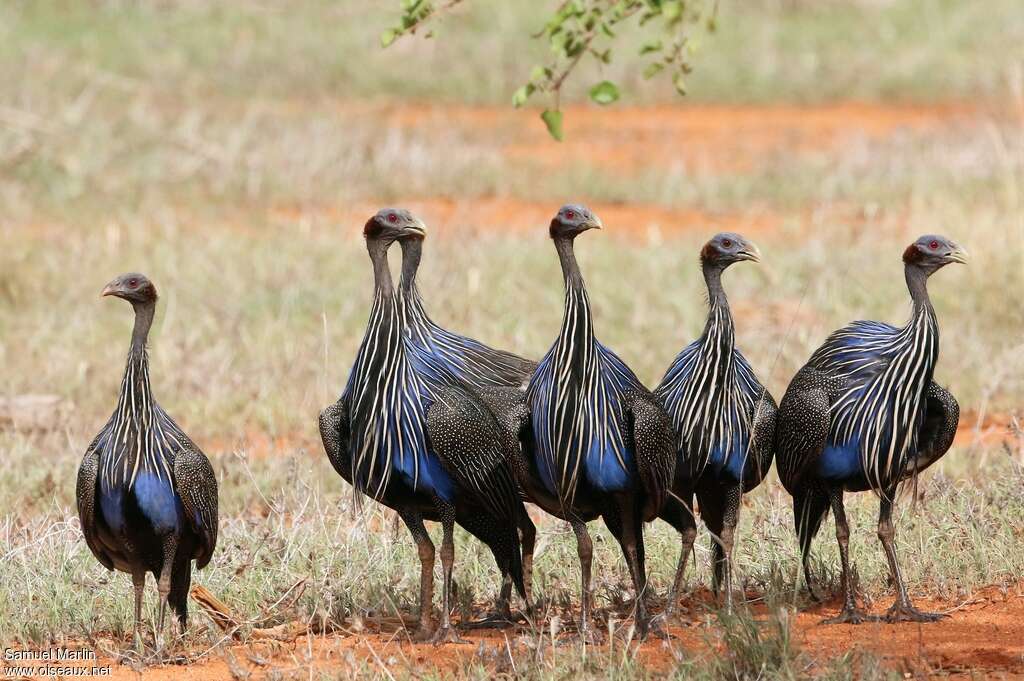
(865, 414)
(415, 439)
(723, 419)
(147, 497)
(598, 443)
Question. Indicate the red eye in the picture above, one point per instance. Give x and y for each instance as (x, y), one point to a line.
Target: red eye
(392, 218)
(133, 282)
(934, 245)
(570, 214)
(727, 243)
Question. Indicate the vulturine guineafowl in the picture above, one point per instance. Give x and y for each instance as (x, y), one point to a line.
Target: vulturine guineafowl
(429, 449)
(865, 414)
(600, 443)
(724, 422)
(455, 359)
(147, 496)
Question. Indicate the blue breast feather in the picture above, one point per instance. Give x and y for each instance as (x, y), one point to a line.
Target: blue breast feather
(602, 426)
(725, 461)
(840, 462)
(155, 498)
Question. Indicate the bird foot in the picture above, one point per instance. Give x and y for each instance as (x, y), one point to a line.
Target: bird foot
(447, 634)
(501, 619)
(654, 626)
(424, 634)
(908, 613)
(850, 614)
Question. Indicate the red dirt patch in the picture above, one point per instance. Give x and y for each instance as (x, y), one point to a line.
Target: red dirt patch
(700, 137)
(983, 634)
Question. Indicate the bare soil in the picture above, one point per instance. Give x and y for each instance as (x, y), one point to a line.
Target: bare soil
(983, 634)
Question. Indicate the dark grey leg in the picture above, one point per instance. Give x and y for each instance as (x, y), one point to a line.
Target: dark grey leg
(631, 540)
(446, 633)
(170, 549)
(680, 515)
(425, 548)
(902, 610)
(585, 548)
(850, 614)
(723, 549)
(139, 583)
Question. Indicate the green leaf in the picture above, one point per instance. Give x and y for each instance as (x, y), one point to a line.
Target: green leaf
(652, 46)
(679, 83)
(653, 69)
(553, 120)
(520, 96)
(604, 93)
(388, 37)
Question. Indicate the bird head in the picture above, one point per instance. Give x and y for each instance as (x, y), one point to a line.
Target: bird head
(391, 224)
(726, 248)
(932, 252)
(573, 219)
(133, 287)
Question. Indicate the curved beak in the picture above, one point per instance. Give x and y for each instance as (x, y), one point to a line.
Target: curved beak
(958, 255)
(419, 228)
(593, 223)
(109, 290)
(750, 252)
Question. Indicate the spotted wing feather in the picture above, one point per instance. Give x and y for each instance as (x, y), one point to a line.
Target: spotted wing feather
(334, 432)
(196, 486)
(85, 496)
(472, 447)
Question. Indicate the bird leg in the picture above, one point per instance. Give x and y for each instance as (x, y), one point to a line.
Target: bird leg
(850, 614)
(170, 548)
(631, 540)
(425, 548)
(679, 513)
(446, 633)
(502, 615)
(585, 548)
(724, 545)
(902, 610)
(527, 539)
(139, 582)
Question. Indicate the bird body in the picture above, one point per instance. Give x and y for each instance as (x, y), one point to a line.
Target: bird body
(411, 437)
(865, 414)
(598, 443)
(723, 418)
(881, 374)
(449, 356)
(147, 496)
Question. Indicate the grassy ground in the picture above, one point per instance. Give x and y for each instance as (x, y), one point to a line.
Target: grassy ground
(231, 152)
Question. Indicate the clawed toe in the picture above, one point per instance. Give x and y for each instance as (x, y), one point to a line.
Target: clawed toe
(848, 616)
(655, 628)
(447, 635)
(498, 620)
(424, 634)
(908, 613)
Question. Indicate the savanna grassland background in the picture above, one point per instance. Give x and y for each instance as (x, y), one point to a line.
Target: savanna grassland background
(232, 151)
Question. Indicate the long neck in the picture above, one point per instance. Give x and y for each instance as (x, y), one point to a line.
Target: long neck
(135, 404)
(577, 324)
(383, 287)
(136, 376)
(567, 258)
(719, 324)
(412, 250)
(917, 284)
